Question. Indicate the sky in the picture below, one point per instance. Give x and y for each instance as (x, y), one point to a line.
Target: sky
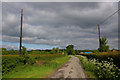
(58, 24)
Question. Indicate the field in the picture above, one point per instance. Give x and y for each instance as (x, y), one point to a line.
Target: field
(36, 65)
(41, 64)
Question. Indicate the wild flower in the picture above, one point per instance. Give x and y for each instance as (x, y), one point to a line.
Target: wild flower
(106, 69)
(103, 69)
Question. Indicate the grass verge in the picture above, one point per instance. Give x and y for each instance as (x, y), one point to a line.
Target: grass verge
(36, 71)
(88, 66)
(103, 70)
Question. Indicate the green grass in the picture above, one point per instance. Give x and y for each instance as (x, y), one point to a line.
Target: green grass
(89, 67)
(90, 74)
(100, 70)
(35, 71)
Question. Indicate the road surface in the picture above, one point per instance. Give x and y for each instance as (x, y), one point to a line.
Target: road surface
(71, 69)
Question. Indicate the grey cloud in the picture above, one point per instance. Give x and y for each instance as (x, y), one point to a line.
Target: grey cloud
(60, 23)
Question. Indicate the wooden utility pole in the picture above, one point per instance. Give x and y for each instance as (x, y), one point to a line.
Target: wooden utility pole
(99, 33)
(21, 30)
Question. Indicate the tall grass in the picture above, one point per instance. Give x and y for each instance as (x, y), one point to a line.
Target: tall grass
(89, 67)
(103, 70)
(48, 63)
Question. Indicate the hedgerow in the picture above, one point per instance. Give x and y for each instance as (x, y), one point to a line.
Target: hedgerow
(10, 62)
(105, 70)
(104, 57)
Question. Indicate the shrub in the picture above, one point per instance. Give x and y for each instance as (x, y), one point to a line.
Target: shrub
(103, 70)
(106, 70)
(55, 51)
(103, 45)
(24, 50)
(104, 56)
(26, 59)
(10, 62)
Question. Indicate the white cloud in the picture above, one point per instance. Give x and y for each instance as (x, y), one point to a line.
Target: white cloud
(61, 23)
(10, 47)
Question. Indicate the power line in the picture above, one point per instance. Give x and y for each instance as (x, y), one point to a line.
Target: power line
(10, 6)
(110, 16)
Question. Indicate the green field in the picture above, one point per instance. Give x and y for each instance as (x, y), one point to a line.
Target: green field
(43, 66)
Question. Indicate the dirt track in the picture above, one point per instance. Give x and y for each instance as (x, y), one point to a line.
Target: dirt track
(71, 69)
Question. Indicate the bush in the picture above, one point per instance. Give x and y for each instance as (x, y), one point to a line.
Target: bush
(55, 51)
(76, 52)
(6, 52)
(26, 59)
(10, 62)
(24, 51)
(104, 56)
(103, 70)
(103, 45)
(106, 70)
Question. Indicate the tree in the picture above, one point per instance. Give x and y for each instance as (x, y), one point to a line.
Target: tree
(34, 52)
(76, 52)
(24, 50)
(11, 51)
(70, 49)
(53, 51)
(103, 45)
(57, 50)
(25, 58)
(4, 51)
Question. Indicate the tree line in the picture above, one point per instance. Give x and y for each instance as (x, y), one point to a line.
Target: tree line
(69, 49)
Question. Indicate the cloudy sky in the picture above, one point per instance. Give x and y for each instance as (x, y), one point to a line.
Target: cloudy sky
(58, 24)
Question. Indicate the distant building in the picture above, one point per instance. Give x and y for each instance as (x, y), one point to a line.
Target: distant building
(113, 50)
(81, 52)
(62, 52)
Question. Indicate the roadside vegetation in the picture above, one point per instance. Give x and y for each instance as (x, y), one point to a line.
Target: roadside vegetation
(88, 66)
(100, 70)
(42, 67)
(103, 56)
(33, 64)
(102, 64)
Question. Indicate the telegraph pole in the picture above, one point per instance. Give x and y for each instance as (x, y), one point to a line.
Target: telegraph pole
(21, 30)
(99, 33)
